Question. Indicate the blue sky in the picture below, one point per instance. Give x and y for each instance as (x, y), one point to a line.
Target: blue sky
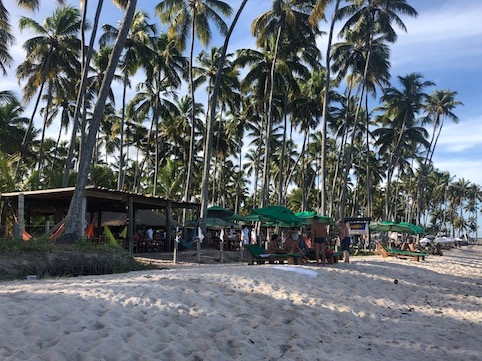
(444, 44)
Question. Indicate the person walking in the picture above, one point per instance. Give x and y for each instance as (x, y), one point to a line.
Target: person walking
(318, 235)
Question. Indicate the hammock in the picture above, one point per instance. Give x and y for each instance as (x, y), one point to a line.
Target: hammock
(89, 232)
(192, 239)
(110, 236)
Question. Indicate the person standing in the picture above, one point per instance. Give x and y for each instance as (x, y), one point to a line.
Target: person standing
(318, 235)
(344, 234)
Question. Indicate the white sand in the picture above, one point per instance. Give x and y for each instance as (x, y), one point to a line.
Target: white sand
(237, 312)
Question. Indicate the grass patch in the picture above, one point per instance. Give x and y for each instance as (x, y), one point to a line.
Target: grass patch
(42, 258)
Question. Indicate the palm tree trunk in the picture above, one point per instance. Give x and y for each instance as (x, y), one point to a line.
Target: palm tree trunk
(326, 100)
(282, 160)
(120, 178)
(17, 174)
(81, 94)
(193, 112)
(211, 120)
(73, 221)
(265, 185)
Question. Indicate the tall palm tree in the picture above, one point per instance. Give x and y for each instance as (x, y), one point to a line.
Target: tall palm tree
(53, 53)
(371, 19)
(439, 106)
(74, 227)
(137, 53)
(316, 15)
(194, 16)
(6, 37)
(287, 20)
(154, 96)
(400, 112)
(12, 124)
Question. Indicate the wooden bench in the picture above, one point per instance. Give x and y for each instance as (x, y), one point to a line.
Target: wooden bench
(257, 255)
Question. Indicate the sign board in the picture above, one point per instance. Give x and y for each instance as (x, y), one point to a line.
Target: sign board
(358, 228)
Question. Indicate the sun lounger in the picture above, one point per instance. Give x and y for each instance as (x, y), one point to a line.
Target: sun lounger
(394, 252)
(259, 256)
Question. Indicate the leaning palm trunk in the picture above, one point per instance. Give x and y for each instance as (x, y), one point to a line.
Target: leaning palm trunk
(75, 219)
(18, 174)
(81, 94)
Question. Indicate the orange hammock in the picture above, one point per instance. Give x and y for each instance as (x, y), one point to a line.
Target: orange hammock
(57, 233)
(26, 236)
(89, 232)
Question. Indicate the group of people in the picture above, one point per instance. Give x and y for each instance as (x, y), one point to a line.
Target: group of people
(319, 237)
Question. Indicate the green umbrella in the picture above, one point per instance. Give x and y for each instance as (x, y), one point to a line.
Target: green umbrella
(307, 216)
(389, 226)
(237, 217)
(219, 212)
(214, 223)
(415, 229)
(252, 217)
(279, 214)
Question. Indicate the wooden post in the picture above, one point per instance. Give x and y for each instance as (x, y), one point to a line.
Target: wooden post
(169, 226)
(84, 214)
(130, 224)
(21, 215)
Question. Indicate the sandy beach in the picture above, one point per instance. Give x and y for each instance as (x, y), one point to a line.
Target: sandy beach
(233, 311)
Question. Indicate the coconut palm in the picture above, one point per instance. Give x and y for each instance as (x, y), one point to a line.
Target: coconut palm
(316, 15)
(137, 52)
(400, 111)
(12, 124)
(287, 20)
(53, 53)
(194, 16)
(439, 106)
(153, 98)
(371, 20)
(73, 223)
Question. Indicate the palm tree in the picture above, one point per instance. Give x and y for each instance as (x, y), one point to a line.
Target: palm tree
(287, 20)
(12, 124)
(400, 111)
(371, 20)
(137, 52)
(316, 15)
(74, 227)
(53, 53)
(194, 16)
(81, 101)
(439, 105)
(153, 97)
(6, 39)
